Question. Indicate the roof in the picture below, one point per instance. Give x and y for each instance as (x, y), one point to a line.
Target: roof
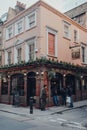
(81, 9)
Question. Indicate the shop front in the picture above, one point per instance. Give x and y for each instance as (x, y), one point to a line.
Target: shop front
(28, 82)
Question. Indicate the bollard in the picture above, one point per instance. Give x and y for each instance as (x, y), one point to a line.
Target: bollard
(31, 105)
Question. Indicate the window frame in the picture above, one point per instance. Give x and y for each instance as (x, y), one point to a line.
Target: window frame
(28, 23)
(54, 32)
(84, 57)
(19, 28)
(67, 33)
(76, 36)
(9, 32)
(19, 56)
(30, 42)
(9, 57)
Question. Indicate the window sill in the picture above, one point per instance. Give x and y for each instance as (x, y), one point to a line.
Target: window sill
(67, 38)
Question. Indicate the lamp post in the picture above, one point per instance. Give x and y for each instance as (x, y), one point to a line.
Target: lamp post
(64, 75)
(9, 87)
(25, 87)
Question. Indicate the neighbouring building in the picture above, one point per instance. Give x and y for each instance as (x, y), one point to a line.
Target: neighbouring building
(42, 46)
(1, 39)
(79, 14)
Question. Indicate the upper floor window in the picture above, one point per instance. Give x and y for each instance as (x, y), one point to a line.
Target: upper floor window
(84, 53)
(9, 32)
(75, 36)
(19, 27)
(51, 42)
(9, 57)
(19, 55)
(31, 51)
(66, 30)
(31, 20)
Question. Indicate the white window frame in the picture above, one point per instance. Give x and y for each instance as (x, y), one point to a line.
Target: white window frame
(67, 30)
(9, 32)
(29, 42)
(30, 23)
(76, 36)
(85, 53)
(9, 61)
(19, 26)
(54, 32)
(6, 57)
(19, 56)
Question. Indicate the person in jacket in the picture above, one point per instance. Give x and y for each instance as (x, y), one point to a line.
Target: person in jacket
(63, 95)
(69, 94)
(55, 96)
(43, 98)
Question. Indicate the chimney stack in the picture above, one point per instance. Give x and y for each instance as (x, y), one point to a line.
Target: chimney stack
(19, 7)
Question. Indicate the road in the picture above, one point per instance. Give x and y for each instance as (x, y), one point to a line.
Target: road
(67, 120)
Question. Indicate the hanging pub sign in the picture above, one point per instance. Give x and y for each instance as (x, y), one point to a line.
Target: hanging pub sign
(75, 53)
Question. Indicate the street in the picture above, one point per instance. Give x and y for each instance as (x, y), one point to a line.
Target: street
(67, 120)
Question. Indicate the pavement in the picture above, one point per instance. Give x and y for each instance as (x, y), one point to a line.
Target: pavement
(25, 111)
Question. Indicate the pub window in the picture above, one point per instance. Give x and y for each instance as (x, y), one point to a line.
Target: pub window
(17, 82)
(4, 86)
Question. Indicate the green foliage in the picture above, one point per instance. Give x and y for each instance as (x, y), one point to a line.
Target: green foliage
(48, 63)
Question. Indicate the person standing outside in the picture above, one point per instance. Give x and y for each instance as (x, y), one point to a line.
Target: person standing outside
(69, 94)
(43, 98)
(55, 96)
(14, 93)
(63, 95)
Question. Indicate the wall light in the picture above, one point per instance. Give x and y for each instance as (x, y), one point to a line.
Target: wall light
(25, 74)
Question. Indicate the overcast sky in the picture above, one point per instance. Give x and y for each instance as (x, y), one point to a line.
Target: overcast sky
(61, 5)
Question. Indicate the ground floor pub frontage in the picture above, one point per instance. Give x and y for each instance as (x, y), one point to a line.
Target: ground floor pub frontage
(28, 81)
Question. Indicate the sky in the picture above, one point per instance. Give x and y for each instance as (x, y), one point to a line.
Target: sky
(61, 5)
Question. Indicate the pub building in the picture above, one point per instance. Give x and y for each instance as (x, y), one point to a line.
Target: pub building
(40, 46)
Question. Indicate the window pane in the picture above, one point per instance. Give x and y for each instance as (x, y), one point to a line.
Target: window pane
(83, 54)
(51, 44)
(17, 82)
(31, 52)
(31, 20)
(9, 57)
(75, 36)
(19, 55)
(19, 27)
